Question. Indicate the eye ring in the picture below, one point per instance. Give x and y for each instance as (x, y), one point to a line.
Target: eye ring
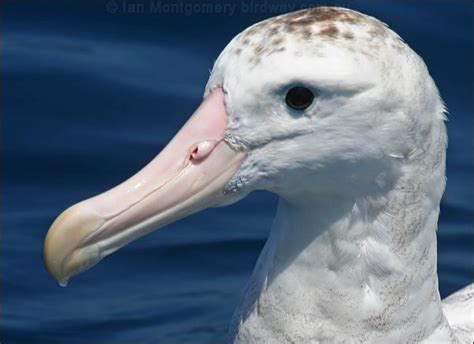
(299, 98)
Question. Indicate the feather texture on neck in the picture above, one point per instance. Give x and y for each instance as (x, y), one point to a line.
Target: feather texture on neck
(356, 267)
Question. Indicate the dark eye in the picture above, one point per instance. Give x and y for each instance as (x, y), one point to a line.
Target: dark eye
(299, 98)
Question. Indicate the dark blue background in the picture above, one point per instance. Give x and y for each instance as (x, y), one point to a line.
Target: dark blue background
(89, 97)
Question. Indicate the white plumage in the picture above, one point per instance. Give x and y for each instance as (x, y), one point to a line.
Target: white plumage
(351, 257)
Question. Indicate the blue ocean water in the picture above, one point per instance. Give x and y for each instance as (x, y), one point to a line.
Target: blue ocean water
(93, 90)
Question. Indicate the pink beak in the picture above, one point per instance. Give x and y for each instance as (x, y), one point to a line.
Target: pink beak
(187, 176)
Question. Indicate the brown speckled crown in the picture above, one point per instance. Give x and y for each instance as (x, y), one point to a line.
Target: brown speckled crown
(319, 25)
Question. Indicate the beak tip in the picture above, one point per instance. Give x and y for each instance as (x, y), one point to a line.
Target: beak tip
(62, 255)
(51, 261)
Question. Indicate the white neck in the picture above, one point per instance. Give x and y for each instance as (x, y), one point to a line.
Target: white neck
(349, 269)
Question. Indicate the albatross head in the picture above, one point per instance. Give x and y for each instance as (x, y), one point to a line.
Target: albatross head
(324, 102)
(366, 102)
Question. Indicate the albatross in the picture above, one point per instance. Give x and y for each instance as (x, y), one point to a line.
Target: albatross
(332, 111)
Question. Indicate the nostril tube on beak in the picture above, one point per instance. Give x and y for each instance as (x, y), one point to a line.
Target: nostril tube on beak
(201, 150)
